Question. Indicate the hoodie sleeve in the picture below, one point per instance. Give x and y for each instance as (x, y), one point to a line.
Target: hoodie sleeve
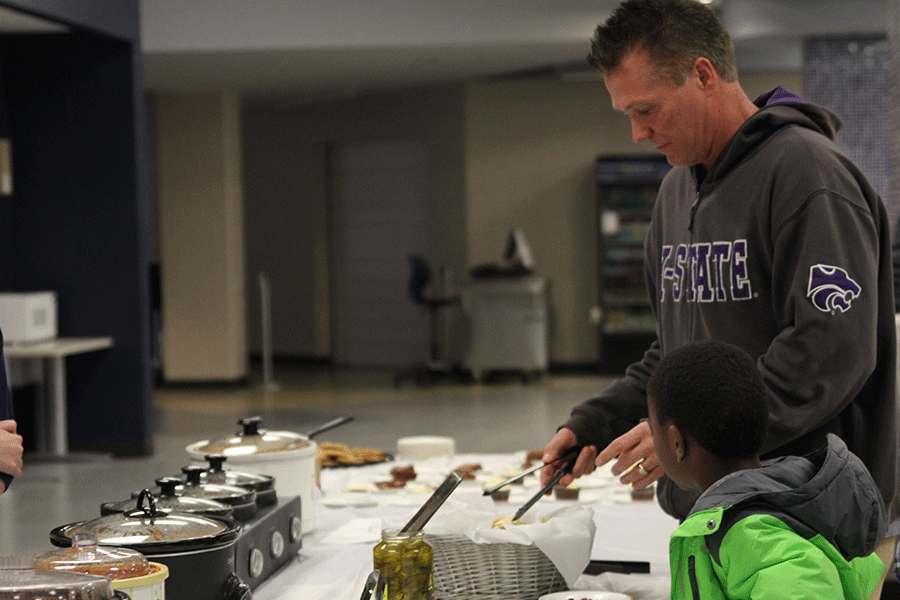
(6, 406)
(895, 251)
(618, 408)
(825, 295)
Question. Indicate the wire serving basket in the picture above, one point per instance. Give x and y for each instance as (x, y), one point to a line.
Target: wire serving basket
(464, 570)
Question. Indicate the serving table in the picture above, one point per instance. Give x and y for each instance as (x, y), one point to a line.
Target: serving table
(337, 556)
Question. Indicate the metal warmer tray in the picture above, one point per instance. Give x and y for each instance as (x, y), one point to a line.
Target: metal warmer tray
(268, 541)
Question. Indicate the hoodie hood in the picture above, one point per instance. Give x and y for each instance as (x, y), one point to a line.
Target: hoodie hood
(778, 108)
(830, 492)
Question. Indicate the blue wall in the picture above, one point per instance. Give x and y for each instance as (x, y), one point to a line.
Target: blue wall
(77, 220)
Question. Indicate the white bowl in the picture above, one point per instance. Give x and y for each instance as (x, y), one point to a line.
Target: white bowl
(425, 446)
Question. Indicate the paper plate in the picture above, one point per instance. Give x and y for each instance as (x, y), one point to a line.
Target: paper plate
(585, 595)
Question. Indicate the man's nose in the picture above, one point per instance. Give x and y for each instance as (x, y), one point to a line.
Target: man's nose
(639, 132)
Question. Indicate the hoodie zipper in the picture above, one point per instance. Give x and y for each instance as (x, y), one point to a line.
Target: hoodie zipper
(692, 576)
(692, 266)
(694, 210)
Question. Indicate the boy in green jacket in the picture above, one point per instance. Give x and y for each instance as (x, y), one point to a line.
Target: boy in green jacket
(789, 528)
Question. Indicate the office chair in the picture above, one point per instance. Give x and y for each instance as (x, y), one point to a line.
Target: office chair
(434, 368)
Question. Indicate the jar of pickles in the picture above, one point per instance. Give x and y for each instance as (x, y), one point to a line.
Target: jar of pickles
(406, 562)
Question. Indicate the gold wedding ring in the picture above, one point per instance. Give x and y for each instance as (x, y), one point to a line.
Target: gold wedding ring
(644, 472)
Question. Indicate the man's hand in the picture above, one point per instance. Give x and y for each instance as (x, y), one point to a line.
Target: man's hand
(562, 441)
(635, 446)
(10, 450)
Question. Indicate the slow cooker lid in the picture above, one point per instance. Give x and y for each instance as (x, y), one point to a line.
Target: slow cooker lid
(148, 528)
(167, 499)
(229, 494)
(217, 473)
(29, 584)
(253, 440)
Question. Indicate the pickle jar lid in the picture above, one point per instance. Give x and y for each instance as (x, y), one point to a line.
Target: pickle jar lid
(85, 556)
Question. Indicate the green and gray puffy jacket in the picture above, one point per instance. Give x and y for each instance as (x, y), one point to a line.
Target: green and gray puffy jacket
(797, 528)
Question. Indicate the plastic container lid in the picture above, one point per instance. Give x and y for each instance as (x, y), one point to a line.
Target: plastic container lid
(31, 584)
(85, 556)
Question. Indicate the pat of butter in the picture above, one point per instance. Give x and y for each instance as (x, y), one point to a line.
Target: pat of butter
(419, 489)
(360, 487)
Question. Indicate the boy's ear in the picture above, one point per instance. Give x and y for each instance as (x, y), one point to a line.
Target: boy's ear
(677, 443)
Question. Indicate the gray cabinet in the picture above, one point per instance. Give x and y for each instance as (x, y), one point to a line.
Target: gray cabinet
(507, 325)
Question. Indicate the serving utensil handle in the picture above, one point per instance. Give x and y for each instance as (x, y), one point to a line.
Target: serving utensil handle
(559, 475)
(573, 451)
(329, 425)
(433, 503)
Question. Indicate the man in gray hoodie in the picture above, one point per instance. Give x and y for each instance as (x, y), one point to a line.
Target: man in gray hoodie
(764, 235)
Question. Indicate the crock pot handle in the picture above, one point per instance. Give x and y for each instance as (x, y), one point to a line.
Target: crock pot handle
(249, 425)
(167, 486)
(149, 510)
(192, 474)
(216, 462)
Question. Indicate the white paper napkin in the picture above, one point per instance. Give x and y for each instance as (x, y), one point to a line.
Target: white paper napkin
(639, 586)
(565, 535)
(356, 531)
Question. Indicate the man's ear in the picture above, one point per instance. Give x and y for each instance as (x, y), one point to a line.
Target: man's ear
(677, 442)
(706, 72)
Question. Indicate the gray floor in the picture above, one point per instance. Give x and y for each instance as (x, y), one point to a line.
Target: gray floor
(503, 416)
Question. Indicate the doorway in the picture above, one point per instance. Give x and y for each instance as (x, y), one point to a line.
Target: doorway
(378, 203)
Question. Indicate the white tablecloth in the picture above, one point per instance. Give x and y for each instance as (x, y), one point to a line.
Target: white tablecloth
(328, 568)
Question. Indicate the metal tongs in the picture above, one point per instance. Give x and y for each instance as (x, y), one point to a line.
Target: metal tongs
(374, 587)
(559, 475)
(572, 452)
(433, 503)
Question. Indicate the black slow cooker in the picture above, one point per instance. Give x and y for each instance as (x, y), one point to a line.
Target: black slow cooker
(198, 549)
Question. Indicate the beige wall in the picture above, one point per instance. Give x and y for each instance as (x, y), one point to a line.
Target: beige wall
(530, 149)
(504, 154)
(286, 199)
(200, 195)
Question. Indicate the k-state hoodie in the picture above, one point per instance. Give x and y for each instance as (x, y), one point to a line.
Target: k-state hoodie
(783, 249)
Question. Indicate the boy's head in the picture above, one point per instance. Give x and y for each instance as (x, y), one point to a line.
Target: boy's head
(711, 394)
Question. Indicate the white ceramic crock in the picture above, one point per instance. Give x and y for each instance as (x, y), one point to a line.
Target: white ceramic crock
(294, 468)
(147, 587)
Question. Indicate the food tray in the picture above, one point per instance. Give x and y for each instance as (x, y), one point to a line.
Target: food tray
(464, 570)
(387, 458)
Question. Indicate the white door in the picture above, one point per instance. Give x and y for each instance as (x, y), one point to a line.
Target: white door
(379, 209)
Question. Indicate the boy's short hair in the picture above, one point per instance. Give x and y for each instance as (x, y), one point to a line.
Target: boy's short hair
(714, 392)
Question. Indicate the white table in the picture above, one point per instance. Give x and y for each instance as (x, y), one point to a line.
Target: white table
(626, 531)
(51, 433)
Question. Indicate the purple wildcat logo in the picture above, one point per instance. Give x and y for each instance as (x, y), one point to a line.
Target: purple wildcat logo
(831, 288)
